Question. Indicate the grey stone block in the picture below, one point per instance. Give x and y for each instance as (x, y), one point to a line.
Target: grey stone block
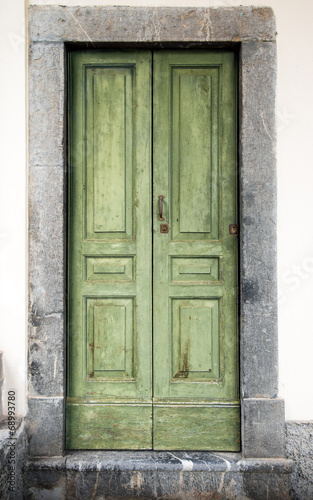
(153, 461)
(259, 365)
(263, 428)
(152, 485)
(243, 24)
(46, 104)
(45, 426)
(158, 475)
(299, 448)
(12, 460)
(98, 24)
(262, 486)
(46, 240)
(46, 355)
(45, 484)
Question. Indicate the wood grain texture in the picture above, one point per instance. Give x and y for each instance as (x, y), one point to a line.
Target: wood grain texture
(195, 270)
(110, 339)
(194, 150)
(109, 256)
(115, 427)
(195, 332)
(111, 147)
(196, 428)
(195, 342)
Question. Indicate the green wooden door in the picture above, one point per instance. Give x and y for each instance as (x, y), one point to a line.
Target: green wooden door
(195, 264)
(109, 264)
(170, 382)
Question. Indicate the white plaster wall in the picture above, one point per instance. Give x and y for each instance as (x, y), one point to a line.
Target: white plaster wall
(12, 199)
(295, 190)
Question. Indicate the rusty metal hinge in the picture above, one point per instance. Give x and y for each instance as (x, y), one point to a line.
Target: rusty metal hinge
(234, 229)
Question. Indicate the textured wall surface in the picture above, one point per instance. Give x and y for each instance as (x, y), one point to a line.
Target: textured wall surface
(299, 448)
(155, 475)
(10, 459)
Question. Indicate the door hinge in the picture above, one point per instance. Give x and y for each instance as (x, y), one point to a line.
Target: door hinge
(234, 229)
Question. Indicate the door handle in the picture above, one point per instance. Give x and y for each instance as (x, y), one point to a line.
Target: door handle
(161, 196)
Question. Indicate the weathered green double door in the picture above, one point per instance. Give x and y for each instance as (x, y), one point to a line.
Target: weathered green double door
(152, 316)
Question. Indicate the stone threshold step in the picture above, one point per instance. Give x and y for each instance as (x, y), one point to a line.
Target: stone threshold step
(114, 475)
(161, 461)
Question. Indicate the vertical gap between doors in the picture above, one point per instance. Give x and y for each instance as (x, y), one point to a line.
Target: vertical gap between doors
(152, 229)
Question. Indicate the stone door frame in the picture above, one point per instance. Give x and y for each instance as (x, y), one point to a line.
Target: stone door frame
(253, 31)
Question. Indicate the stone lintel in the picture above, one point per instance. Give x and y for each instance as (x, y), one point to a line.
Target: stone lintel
(150, 24)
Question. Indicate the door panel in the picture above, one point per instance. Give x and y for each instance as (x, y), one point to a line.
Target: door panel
(109, 401)
(108, 425)
(195, 427)
(195, 264)
(195, 339)
(194, 109)
(111, 355)
(109, 176)
(193, 402)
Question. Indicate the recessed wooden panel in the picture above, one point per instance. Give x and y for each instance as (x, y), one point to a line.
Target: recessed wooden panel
(113, 427)
(195, 152)
(189, 427)
(109, 338)
(195, 339)
(109, 269)
(195, 270)
(109, 152)
(195, 132)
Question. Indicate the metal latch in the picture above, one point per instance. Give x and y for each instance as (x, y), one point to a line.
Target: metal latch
(164, 228)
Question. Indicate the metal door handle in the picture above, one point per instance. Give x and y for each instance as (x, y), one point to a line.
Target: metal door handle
(161, 196)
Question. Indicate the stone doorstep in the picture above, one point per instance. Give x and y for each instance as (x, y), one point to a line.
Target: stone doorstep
(161, 461)
(156, 475)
